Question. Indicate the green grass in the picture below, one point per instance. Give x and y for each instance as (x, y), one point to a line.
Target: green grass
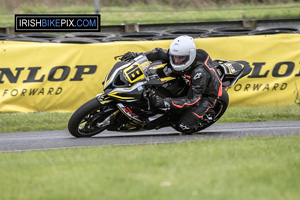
(155, 13)
(167, 14)
(251, 168)
(260, 114)
(33, 122)
(59, 121)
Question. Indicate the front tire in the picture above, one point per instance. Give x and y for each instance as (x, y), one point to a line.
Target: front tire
(84, 121)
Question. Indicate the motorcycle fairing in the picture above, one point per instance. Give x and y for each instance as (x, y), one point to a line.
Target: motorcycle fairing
(231, 71)
(110, 77)
(150, 122)
(123, 75)
(166, 79)
(103, 98)
(155, 67)
(129, 94)
(125, 81)
(130, 114)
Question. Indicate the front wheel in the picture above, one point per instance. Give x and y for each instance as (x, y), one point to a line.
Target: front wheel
(86, 120)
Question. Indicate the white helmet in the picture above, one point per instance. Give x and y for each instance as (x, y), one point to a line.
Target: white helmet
(182, 46)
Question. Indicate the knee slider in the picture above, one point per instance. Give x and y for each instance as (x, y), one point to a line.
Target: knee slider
(185, 128)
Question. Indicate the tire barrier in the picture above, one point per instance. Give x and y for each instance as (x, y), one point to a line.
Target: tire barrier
(35, 37)
(220, 34)
(89, 35)
(191, 35)
(27, 39)
(116, 38)
(45, 36)
(185, 31)
(76, 40)
(194, 33)
(165, 37)
(4, 36)
(237, 30)
(274, 31)
(96, 37)
(140, 35)
(228, 31)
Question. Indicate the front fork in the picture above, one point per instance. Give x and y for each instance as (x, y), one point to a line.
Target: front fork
(108, 120)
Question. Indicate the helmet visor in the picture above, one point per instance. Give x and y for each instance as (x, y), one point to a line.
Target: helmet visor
(179, 60)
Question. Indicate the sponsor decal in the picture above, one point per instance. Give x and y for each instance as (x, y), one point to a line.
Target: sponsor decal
(34, 75)
(280, 70)
(32, 91)
(287, 66)
(197, 76)
(129, 111)
(260, 87)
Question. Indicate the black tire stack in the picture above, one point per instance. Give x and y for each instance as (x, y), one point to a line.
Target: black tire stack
(272, 31)
(98, 37)
(6, 36)
(172, 34)
(228, 31)
(83, 37)
(140, 36)
(36, 37)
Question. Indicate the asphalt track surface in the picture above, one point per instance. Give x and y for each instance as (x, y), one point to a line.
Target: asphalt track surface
(46, 140)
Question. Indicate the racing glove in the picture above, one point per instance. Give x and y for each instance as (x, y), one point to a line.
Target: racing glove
(129, 56)
(159, 102)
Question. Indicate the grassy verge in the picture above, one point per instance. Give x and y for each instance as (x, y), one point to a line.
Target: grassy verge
(259, 114)
(251, 168)
(166, 14)
(33, 122)
(156, 13)
(59, 121)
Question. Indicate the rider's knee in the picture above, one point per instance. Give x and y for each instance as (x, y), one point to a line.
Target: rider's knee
(187, 123)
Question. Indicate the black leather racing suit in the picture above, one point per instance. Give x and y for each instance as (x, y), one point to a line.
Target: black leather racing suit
(204, 89)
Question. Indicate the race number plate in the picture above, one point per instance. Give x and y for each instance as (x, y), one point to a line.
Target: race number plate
(134, 73)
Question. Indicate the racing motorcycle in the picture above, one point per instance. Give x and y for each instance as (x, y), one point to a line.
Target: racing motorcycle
(124, 104)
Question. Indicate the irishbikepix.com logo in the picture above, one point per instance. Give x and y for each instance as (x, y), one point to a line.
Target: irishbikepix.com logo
(57, 23)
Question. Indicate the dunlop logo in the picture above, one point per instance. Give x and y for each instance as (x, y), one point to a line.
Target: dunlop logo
(58, 73)
(280, 72)
(34, 75)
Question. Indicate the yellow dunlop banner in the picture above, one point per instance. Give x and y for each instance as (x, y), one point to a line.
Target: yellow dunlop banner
(51, 77)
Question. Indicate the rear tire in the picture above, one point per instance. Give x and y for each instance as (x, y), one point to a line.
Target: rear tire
(83, 122)
(219, 108)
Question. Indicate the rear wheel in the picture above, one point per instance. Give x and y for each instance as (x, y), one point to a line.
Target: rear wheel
(216, 112)
(87, 120)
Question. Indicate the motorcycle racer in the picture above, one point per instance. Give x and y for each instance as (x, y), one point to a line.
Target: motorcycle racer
(197, 70)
